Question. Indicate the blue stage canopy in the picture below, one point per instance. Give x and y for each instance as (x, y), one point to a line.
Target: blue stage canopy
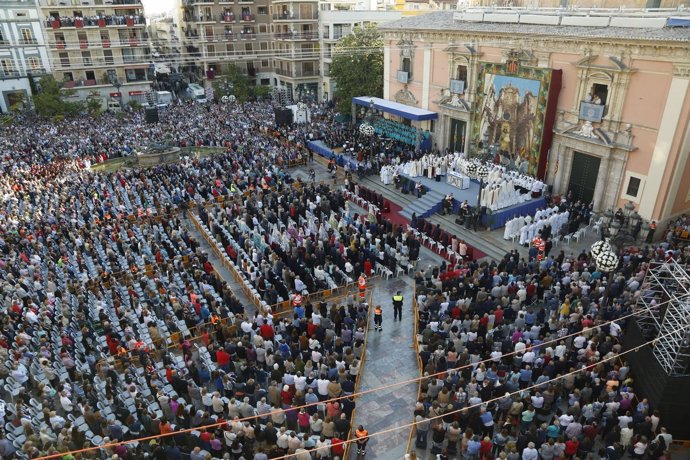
(678, 22)
(401, 110)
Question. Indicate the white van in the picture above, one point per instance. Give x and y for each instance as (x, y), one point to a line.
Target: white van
(114, 106)
(163, 98)
(196, 92)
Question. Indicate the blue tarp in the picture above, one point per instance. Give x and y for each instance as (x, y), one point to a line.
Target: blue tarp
(401, 110)
(678, 22)
(322, 149)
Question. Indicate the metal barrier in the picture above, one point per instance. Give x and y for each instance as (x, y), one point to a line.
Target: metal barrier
(346, 453)
(415, 316)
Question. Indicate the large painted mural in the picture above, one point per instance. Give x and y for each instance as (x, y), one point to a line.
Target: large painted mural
(514, 114)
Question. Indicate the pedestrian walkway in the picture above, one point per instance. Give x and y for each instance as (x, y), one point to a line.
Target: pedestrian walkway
(390, 358)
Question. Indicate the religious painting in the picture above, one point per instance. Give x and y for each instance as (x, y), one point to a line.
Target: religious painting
(513, 108)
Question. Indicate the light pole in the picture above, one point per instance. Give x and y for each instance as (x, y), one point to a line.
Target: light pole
(482, 173)
(606, 261)
(623, 233)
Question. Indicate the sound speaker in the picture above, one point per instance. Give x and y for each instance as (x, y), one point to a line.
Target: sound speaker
(151, 115)
(283, 117)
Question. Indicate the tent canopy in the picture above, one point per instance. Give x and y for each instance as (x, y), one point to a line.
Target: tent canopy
(401, 110)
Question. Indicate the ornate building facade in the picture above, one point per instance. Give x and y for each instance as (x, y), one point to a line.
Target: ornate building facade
(594, 104)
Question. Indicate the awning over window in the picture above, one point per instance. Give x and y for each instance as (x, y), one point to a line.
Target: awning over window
(401, 110)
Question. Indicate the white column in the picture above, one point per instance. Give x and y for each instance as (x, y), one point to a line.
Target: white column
(662, 148)
(386, 71)
(599, 198)
(426, 76)
(677, 176)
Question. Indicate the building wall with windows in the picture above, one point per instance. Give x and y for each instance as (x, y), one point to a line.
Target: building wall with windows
(23, 53)
(217, 34)
(335, 24)
(620, 127)
(99, 47)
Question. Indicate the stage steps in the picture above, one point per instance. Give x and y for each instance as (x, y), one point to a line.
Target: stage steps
(493, 249)
(430, 203)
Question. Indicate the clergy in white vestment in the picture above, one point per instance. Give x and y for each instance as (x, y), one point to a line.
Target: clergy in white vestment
(524, 233)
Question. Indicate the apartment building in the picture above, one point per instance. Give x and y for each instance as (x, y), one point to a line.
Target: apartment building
(296, 49)
(23, 53)
(99, 45)
(336, 24)
(217, 34)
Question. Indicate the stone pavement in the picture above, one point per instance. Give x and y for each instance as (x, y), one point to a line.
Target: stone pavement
(390, 358)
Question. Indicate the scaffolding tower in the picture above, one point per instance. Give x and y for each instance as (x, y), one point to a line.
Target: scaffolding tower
(662, 312)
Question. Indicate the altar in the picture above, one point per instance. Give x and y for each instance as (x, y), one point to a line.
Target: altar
(458, 180)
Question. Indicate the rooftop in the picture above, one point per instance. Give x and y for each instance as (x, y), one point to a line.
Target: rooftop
(622, 25)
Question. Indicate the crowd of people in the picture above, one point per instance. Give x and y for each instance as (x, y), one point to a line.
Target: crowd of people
(533, 349)
(115, 324)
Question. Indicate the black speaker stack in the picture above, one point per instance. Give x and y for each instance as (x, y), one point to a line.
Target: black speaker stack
(283, 116)
(151, 115)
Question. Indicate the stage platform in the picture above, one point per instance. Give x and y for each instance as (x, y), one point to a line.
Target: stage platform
(494, 220)
(432, 201)
(322, 149)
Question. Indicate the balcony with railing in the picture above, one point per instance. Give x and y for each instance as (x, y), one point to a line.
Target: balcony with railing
(131, 20)
(247, 18)
(10, 73)
(197, 2)
(247, 35)
(88, 3)
(98, 43)
(227, 16)
(296, 16)
(297, 73)
(295, 36)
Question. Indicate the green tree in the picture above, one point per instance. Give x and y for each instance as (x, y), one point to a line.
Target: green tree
(232, 81)
(357, 66)
(261, 91)
(51, 102)
(94, 103)
(134, 105)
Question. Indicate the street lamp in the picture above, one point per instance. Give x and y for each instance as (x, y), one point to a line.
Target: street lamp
(623, 232)
(482, 173)
(116, 83)
(606, 261)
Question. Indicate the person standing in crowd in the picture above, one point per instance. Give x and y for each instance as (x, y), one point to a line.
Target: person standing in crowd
(362, 286)
(650, 234)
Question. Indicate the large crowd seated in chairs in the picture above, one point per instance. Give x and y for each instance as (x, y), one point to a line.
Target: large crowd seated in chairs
(114, 321)
(293, 237)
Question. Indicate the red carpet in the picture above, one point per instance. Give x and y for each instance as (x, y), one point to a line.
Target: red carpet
(395, 217)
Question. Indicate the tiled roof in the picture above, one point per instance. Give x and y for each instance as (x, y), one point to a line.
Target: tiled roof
(443, 21)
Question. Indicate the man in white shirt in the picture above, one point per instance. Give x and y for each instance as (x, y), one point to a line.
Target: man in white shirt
(537, 401)
(529, 452)
(300, 382)
(528, 357)
(322, 387)
(66, 403)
